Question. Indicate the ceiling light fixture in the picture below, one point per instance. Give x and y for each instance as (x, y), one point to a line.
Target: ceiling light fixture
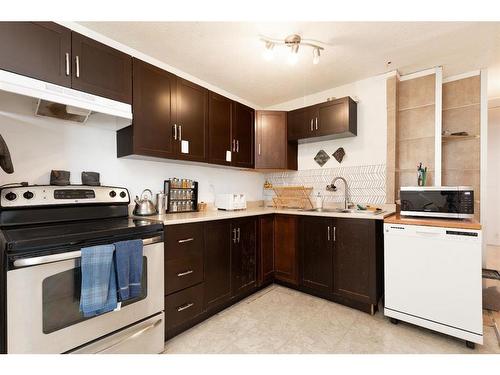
(268, 53)
(316, 55)
(293, 41)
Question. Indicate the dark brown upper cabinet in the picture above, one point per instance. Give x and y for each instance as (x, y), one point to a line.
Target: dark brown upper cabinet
(243, 255)
(152, 132)
(243, 136)
(40, 50)
(220, 141)
(192, 121)
(316, 246)
(101, 70)
(272, 148)
(329, 120)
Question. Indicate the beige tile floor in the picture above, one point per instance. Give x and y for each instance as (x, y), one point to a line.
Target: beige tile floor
(282, 320)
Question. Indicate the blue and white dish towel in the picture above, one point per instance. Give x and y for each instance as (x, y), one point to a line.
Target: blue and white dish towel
(98, 293)
(129, 268)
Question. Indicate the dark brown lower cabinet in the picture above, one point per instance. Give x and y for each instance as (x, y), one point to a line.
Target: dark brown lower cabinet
(316, 245)
(217, 260)
(243, 255)
(183, 306)
(286, 249)
(358, 260)
(265, 269)
(210, 265)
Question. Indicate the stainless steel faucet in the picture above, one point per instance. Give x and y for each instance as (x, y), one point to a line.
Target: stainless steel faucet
(332, 187)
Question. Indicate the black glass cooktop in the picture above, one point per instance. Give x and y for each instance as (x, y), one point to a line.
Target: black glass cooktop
(63, 236)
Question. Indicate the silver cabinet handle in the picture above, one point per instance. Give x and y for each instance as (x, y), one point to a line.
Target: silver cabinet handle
(234, 235)
(328, 233)
(239, 235)
(180, 133)
(175, 131)
(259, 148)
(312, 125)
(233, 147)
(187, 306)
(186, 240)
(67, 63)
(316, 123)
(334, 234)
(77, 63)
(237, 146)
(67, 256)
(185, 273)
(132, 336)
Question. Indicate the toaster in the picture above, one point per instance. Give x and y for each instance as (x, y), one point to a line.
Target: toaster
(231, 202)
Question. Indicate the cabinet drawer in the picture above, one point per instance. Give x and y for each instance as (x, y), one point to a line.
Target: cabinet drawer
(183, 240)
(183, 272)
(182, 306)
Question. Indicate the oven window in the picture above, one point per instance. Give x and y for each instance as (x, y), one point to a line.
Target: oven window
(61, 298)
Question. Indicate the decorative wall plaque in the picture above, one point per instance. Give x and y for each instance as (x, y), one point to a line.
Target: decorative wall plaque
(321, 157)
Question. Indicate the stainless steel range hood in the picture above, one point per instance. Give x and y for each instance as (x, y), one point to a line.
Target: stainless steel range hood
(64, 103)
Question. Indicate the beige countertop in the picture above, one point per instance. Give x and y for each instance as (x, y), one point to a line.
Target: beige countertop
(433, 222)
(209, 215)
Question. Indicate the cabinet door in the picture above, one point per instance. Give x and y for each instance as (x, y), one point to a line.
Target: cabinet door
(192, 120)
(316, 239)
(337, 117)
(300, 124)
(271, 136)
(265, 261)
(285, 249)
(101, 70)
(40, 50)
(154, 110)
(219, 129)
(354, 260)
(217, 261)
(244, 255)
(243, 135)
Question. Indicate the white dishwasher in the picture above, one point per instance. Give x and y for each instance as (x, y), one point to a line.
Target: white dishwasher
(433, 279)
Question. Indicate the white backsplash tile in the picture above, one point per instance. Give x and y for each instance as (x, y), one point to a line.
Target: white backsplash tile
(366, 183)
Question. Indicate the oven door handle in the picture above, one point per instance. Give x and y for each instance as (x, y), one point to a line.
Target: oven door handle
(132, 336)
(35, 261)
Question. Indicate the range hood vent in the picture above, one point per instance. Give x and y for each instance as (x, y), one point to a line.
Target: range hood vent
(61, 111)
(64, 103)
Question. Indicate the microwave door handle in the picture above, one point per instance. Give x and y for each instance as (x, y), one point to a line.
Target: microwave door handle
(132, 336)
(35, 261)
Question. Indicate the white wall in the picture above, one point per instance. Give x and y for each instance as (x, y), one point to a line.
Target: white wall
(38, 145)
(369, 147)
(493, 178)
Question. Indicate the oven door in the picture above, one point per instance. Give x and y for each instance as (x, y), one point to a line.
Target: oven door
(43, 304)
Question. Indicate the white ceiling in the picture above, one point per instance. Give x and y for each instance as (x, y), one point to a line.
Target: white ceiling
(229, 54)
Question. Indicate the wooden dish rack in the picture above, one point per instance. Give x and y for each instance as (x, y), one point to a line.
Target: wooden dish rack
(292, 197)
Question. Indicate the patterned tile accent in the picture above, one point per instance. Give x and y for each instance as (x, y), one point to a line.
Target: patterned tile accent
(366, 183)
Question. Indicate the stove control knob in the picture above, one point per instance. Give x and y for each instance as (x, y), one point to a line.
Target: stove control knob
(112, 193)
(10, 196)
(123, 194)
(28, 194)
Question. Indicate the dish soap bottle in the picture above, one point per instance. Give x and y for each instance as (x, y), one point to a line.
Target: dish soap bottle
(319, 201)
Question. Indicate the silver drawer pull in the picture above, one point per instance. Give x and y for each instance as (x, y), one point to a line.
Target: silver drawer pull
(132, 336)
(67, 63)
(182, 308)
(186, 240)
(77, 63)
(185, 273)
